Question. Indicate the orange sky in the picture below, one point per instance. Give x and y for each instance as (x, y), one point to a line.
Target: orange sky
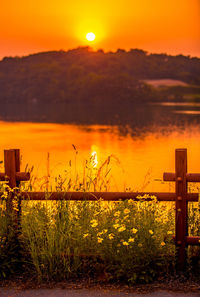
(29, 26)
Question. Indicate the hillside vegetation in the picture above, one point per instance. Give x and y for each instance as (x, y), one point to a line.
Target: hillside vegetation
(74, 85)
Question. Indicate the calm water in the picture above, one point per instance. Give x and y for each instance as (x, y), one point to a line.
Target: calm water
(139, 158)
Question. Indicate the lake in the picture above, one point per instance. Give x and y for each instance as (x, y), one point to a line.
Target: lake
(138, 157)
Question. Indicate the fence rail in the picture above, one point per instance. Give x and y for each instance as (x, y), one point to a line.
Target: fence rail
(107, 196)
(181, 197)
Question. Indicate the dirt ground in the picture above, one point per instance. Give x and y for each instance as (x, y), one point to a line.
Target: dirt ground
(171, 288)
(56, 292)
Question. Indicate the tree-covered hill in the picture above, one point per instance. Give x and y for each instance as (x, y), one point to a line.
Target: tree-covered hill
(73, 85)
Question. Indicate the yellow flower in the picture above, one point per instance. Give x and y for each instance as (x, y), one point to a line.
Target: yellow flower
(139, 244)
(153, 197)
(93, 223)
(117, 213)
(162, 243)
(130, 201)
(99, 233)
(131, 239)
(105, 230)
(125, 243)
(126, 217)
(122, 228)
(99, 239)
(134, 230)
(116, 226)
(85, 235)
(117, 221)
(111, 236)
(126, 210)
(158, 220)
(151, 232)
(169, 232)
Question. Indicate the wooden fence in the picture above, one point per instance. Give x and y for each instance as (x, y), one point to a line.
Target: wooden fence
(181, 196)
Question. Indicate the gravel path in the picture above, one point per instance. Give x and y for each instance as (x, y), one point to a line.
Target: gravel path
(10, 292)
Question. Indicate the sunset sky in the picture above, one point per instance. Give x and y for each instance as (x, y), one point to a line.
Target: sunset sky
(159, 26)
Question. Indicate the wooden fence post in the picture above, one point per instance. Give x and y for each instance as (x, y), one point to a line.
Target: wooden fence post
(10, 172)
(181, 224)
(12, 165)
(17, 165)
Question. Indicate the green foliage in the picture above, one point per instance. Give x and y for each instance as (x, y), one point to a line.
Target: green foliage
(80, 85)
(131, 240)
(9, 260)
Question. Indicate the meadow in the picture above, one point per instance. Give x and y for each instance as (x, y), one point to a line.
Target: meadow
(124, 241)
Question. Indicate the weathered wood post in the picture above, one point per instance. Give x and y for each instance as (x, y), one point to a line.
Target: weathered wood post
(181, 224)
(13, 176)
(10, 174)
(17, 165)
(182, 197)
(12, 165)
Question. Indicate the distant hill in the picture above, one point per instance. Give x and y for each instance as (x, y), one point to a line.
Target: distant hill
(81, 85)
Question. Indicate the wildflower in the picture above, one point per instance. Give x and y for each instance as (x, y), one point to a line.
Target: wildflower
(93, 223)
(139, 244)
(99, 233)
(126, 217)
(85, 235)
(5, 195)
(117, 214)
(15, 205)
(169, 232)
(105, 230)
(52, 221)
(134, 230)
(117, 221)
(151, 232)
(122, 228)
(99, 239)
(130, 201)
(131, 239)
(111, 236)
(126, 211)
(153, 197)
(158, 220)
(116, 226)
(162, 243)
(125, 243)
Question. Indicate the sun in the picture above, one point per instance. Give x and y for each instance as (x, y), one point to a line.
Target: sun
(90, 36)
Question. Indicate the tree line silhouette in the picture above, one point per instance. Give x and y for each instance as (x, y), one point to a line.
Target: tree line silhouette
(80, 84)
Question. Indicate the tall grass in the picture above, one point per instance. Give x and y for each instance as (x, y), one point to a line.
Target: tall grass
(125, 240)
(120, 241)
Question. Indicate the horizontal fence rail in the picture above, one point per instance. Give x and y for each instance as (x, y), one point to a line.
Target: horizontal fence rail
(181, 197)
(107, 196)
(190, 177)
(20, 176)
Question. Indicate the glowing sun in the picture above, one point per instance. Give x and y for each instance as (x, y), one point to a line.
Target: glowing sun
(90, 36)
